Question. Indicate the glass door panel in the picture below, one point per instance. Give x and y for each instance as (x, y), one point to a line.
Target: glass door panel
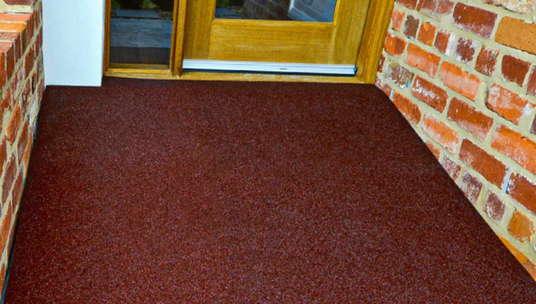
(297, 10)
(141, 32)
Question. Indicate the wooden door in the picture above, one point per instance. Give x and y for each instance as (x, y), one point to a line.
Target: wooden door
(336, 42)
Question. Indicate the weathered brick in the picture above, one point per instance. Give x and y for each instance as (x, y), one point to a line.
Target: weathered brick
(517, 34)
(383, 86)
(444, 42)
(465, 50)
(410, 110)
(423, 60)
(398, 74)
(494, 207)
(427, 33)
(471, 187)
(429, 93)
(455, 78)
(469, 118)
(521, 227)
(435, 8)
(397, 19)
(524, 191)
(531, 87)
(486, 61)
(484, 163)
(435, 150)
(514, 69)
(516, 146)
(452, 168)
(518, 6)
(395, 45)
(408, 3)
(411, 26)
(9, 178)
(474, 19)
(441, 133)
(508, 104)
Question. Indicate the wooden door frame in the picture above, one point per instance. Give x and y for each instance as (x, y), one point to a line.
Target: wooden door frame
(369, 54)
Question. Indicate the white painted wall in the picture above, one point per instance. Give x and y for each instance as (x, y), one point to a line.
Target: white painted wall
(73, 42)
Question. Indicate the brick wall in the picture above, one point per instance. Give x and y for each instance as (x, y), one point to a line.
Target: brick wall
(21, 90)
(266, 9)
(464, 75)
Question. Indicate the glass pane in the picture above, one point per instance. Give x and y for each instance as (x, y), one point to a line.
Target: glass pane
(297, 10)
(140, 31)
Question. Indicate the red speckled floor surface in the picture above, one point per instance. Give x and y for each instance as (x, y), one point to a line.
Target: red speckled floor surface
(212, 192)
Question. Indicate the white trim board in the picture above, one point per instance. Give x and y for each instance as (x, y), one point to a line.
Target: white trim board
(269, 67)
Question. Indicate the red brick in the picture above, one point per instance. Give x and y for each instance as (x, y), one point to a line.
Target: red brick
(13, 126)
(486, 61)
(524, 191)
(444, 42)
(435, 150)
(398, 74)
(410, 110)
(3, 155)
(9, 178)
(514, 69)
(474, 19)
(471, 187)
(29, 62)
(408, 3)
(26, 19)
(452, 168)
(6, 101)
(469, 118)
(28, 152)
(9, 54)
(516, 146)
(427, 33)
(517, 34)
(487, 165)
(531, 87)
(422, 60)
(395, 45)
(17, 190)
(465, 50)
(411, 26)
(494, 207)
(397, 19)
(429, 93)
(508, 104)
(383, 86)
(23, 140)
(521, 227)
(441, 133)
(20, 2)
(5, 228)
(455, 78)
(3, 78)
(435, 8)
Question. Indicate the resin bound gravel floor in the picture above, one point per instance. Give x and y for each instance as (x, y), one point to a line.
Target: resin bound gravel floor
(212, 192)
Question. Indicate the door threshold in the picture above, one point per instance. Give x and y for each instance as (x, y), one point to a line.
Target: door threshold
(268, 67)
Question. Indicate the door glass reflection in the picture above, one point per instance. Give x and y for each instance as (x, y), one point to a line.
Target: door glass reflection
(297, 10)
(140, 31)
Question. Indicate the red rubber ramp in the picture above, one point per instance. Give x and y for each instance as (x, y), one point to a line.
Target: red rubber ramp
(213, 192)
